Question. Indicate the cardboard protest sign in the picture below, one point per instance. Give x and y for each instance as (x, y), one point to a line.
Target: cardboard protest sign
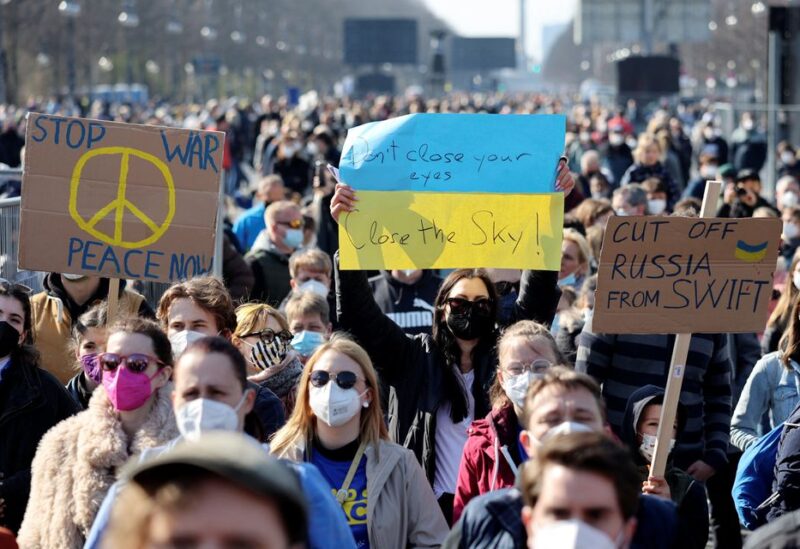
(484, 153)
(432, 230)
(685, 275)
(482, 179)
(119, 200)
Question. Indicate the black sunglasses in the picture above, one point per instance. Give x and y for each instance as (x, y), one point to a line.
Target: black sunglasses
(459, 305)
(268, 335)
(136, 362)
(345, 380)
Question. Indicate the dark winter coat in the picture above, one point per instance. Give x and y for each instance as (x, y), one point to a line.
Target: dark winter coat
(688, 494)
(31, 402)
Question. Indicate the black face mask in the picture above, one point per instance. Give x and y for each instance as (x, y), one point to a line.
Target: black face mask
(9, 338)
(471, 324)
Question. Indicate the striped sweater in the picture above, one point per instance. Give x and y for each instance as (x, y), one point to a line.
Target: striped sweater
(624, 363)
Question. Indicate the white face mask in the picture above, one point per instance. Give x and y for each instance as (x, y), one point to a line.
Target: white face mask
(572, 534)
(563, 428)
(787, 157)
(202, 415)
(789, 199)
(790, 230)
(709, 171)
(333, 405)
(796, 280)
(648, 446)
(516, 387)
(621, 212)
(73, 277)
(656, 206)
(181, 340)
(616, 139)
(314, 286)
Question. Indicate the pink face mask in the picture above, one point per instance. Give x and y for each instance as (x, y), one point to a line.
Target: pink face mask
(91, 367)
(127, 390)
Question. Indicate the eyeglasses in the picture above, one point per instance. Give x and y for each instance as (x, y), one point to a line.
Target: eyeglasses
(136, 362)
(538, 366)
(459, 305)
(293, 224)
(268, 335)
(27, 290)
(345, 380)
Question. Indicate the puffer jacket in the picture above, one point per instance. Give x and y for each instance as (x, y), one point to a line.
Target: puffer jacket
(491, 457)
(415, 367)
(77, 462)
(402, 511)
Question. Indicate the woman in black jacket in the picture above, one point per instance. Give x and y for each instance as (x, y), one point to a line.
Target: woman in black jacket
(441, 382)
(31, 402)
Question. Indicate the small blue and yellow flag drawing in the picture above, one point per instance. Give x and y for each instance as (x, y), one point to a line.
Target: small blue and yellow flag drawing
(751, 253)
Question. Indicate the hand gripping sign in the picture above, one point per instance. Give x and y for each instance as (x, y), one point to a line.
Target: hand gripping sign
(119, 200)
(678, 275)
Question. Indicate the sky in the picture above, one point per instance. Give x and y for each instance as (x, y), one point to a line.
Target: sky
(473, 18)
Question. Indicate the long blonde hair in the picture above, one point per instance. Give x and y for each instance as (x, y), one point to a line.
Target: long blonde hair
(299, 428)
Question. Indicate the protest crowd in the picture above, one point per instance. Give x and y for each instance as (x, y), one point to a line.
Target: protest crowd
(294, 403)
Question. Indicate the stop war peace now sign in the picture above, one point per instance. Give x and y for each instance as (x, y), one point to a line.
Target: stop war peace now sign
(454, 190)
(119, 200)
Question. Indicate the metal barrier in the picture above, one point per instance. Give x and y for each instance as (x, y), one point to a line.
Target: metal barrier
(9, 247)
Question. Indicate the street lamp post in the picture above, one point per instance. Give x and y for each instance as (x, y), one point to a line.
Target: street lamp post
(3, 91)
(129, 19)
(70, 9)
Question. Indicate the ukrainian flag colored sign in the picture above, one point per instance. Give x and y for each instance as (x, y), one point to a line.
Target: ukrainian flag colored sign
(440, 191)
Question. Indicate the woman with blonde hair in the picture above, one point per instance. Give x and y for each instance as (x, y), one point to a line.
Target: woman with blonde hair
(337, 424)
(576, 260)
(262, 336)
(647, 163)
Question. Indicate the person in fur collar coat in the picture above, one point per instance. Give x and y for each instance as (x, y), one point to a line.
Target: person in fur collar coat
(78, 460)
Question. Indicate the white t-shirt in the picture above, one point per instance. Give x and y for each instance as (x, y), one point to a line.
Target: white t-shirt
(450, 440)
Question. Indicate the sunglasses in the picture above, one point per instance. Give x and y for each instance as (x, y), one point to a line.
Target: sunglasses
(345, 380)
(538, 366)
(294, 224)
(268, 335)
(459, 305)
(136, 362)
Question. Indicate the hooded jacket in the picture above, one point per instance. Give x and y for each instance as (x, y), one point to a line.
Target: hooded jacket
(53, 313)
(76, 464)
(410, 306)
(688, 494)
(491, 457)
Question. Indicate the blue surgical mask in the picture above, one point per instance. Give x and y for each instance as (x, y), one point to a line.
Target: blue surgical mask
(306, 342)
(293, 238)
(568, 280)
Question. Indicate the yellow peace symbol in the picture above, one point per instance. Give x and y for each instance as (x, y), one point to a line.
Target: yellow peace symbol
(121, 203)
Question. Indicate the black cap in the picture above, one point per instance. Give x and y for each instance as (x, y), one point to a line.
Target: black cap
(236, 458)
(747, 175)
